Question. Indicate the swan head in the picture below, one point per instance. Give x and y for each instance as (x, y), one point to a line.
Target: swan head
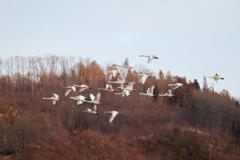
(114, 91)
(89, 88)
(156, 57)
(60, 100)
(134, 90)
(222, 78)
(149, 76)
(97, 113)
(119, 114)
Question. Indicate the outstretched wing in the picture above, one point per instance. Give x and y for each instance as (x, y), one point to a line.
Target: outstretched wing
(110, 76)
(92, 97)
(97, 98)
(114, 73)
(94, 108)
(82, 89)
(113, 116)
(55, 95)
(169, 92)
(79, 102)
(151, 89)
(126, 62)
(150, 58)
(143, 78)
(67, 92)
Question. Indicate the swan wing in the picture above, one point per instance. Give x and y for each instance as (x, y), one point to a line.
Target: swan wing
(54, 102)
(74, 88)
(82, 89)
(92, 97)
(67, 92)
(151, 89)
(110, 76)
(114, 114)
(79, 102)
(94, 108)
(114, 73)
(55, 95)
(126, 62)
(150, 58)
(97, 98)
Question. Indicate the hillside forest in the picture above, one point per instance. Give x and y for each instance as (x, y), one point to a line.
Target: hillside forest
(198, 123)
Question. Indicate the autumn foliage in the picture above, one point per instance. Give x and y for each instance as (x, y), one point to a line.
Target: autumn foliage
(195, 124)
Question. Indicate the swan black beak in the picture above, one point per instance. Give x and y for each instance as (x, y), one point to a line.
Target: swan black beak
(222, 78)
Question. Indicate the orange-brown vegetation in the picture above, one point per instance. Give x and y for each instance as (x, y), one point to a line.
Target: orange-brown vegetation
(195, 124)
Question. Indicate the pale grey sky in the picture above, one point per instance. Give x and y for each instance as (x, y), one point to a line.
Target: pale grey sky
(191, 38)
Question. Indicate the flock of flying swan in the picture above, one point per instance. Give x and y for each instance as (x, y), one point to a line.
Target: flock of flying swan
(125, 91)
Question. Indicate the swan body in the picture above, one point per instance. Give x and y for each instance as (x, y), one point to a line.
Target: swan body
(129, 87)
(93, 110)
(54, 98)
(120, 81)
(126, 64)
(82, 87)
(176, 85)
(142, 77)
(168, 94)
(69, 89)
(95, 100)
(150, 57)
(112, 73)
(114, 114)
(108, 88)
(149, 92)
(216, 77)
(80, 99)
(125, 92)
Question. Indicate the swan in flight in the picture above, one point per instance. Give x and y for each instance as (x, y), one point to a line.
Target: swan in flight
(176, 85)
(125, 92)
(120, 81)
(95, 100)
(112, 73)
(126, 64)
(69, 89)
(114, 114)
(93, 110)
(80, 99)
(216, 77)
(129, 87)
(149, 92)
(54, 98)
(150, 57)
(168, 94)
(142, 77)
(108, 88)
(82, 87)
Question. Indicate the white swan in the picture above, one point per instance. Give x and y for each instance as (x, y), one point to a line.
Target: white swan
(95, 100)
(80, 99)
(142, 77)
(54, 98)
(114, 114)
(125, 92)
(150, 57)
(69, 89)
(93, 110)
(168, 94)
(149, 92)
(82, 87)
(112, 73)
(176, 85)
(126, 64)
(216, 77)
(108, 88)
(120, 81)
(129, 86)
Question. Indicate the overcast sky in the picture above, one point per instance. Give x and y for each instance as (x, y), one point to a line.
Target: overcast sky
(191, 38)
